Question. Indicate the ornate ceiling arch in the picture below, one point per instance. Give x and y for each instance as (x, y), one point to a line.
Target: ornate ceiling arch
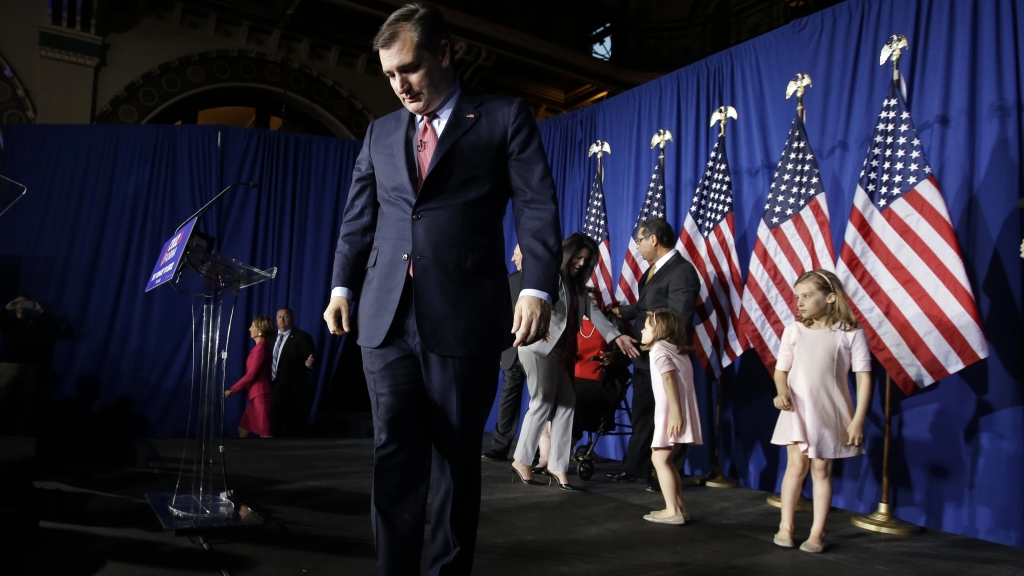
(15, 105)
(297, 87)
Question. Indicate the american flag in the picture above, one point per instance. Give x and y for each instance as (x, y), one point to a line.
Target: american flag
(634, 266)
(792, 238)
(901, 263)
(595, 225)
(707, 241)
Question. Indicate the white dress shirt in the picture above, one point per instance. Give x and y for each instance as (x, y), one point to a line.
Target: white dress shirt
(662, 261)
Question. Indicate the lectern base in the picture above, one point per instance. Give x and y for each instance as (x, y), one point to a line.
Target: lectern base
(240, 516)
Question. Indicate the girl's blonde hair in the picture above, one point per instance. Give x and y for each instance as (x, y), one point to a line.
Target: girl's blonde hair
(839, 311)
(264, 325)
(668, 325)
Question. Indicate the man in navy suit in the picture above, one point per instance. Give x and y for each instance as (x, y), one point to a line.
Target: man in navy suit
(421, 249)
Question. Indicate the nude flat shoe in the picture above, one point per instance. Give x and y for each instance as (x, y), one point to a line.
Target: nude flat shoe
(676, 520)
(686, 515)
(812, 548)
(784, 542)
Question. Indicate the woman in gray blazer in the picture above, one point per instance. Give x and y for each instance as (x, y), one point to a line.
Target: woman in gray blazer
(549, 365)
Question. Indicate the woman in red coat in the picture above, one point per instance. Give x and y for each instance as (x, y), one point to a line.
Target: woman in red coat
(256, 417)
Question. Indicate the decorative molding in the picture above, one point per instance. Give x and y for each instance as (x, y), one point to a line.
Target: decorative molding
(70, 46)
(15, 105)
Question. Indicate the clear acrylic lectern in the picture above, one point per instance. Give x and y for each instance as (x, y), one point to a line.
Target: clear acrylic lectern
(201, 496)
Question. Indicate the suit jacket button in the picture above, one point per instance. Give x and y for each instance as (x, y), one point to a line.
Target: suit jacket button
(405, 256)
(417, 216)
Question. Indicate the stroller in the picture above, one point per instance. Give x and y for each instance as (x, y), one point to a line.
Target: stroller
(601, 410)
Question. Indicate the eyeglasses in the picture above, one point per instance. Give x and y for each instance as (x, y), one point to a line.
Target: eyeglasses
(642, 238)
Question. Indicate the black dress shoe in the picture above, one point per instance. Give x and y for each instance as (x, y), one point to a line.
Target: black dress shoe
(566, 487)
(494, 456)
(540, 469)
(620, 476)
(653, 488)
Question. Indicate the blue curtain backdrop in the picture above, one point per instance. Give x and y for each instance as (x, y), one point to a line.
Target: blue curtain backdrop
(957, 459)
(103, 199)
(101, 202)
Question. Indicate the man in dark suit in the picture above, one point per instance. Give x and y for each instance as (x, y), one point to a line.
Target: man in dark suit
(671, 282)
(510, 403)
(421, 248)
(291, 362)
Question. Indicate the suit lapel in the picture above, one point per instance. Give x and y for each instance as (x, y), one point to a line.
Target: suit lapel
(657, 274)
(404, 150)
(463, 115)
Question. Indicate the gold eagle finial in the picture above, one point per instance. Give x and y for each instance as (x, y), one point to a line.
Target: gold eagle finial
(660, 138)
(721, 115)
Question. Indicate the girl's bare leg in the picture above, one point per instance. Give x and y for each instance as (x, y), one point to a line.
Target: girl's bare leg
(796, 472)
(821, 476)
(662, 460)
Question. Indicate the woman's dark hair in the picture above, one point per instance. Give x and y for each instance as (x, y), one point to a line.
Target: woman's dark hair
(427, 25)
(572, 246)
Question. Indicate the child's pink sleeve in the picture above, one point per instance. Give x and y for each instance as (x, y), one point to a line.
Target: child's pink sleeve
(784, 362)
(661, 359)
(860, 353)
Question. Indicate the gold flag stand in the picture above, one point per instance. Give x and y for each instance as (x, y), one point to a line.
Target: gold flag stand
(883, 519)
(716, 479)
(798, 86)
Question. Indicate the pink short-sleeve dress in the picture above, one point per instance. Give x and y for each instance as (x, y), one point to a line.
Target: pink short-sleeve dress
(819, 362)
(664, 358)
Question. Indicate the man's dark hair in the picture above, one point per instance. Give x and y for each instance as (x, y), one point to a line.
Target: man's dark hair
(427, 25)
(571, 246)
(660, 229)
(286, 308)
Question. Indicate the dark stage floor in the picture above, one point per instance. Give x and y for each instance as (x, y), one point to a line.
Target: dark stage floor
(314, 496)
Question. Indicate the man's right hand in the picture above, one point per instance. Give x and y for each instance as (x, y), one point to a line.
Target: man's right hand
(531, 320)
(337, 316)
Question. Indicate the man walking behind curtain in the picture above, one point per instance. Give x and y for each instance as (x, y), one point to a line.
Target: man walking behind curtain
(292, 358)
(421, 249)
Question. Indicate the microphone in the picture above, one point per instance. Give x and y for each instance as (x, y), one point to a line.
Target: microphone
(215, 198)
(24, 191)
(421, 145)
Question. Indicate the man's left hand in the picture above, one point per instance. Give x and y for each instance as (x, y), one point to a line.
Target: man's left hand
(628, 345)
(309, 361)
(533, 315)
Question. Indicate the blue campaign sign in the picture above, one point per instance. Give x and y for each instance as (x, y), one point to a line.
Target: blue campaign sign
(170, 256)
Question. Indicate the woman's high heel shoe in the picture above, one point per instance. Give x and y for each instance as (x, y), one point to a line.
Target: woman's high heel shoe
(519, 475)
(552, 479)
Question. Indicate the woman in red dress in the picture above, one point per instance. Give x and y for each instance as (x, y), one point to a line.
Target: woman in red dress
(256, 417)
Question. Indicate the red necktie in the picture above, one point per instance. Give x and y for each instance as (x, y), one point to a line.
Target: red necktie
(426, 141)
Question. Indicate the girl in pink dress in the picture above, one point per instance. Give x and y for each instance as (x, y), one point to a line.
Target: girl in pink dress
(256, 382)
(676, 417)
(818, 422)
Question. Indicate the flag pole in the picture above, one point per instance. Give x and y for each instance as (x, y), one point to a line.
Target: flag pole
(717, 479)
(600, 147)
(796, 86)
(883, 519)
